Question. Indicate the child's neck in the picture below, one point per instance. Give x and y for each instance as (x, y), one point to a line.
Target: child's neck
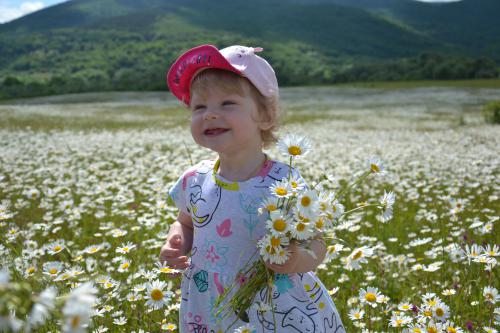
(240, 168)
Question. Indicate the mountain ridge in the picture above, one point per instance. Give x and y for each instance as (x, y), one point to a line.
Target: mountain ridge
(116, 41)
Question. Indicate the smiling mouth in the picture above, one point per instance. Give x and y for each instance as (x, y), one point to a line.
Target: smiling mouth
(215, 131)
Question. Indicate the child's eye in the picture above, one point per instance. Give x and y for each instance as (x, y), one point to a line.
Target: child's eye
(226, 103)
(198, 107)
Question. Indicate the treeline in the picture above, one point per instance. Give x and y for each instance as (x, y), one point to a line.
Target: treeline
(427, 66)
(292, 71)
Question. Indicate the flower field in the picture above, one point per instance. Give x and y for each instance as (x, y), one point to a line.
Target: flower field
(83, 208)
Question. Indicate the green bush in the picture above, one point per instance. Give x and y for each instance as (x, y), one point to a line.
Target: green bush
(492, 112)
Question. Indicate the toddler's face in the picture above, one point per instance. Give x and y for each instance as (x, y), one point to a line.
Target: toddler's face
(225, 122)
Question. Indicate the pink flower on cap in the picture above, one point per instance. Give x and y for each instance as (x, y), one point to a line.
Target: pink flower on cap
(241, 60)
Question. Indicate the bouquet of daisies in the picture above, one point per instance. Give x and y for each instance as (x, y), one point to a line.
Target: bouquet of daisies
(295, 213)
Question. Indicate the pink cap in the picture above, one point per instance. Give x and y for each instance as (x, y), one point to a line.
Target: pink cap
(241, 60)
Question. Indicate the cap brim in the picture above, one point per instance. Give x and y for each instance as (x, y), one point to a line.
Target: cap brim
(191, 62)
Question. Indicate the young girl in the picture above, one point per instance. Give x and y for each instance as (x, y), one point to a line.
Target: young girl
(232, 95)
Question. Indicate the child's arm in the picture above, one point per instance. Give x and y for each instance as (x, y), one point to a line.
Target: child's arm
(300, 261)
(178, 243)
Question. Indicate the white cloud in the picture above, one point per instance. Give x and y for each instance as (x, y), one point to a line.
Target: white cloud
(9, 13)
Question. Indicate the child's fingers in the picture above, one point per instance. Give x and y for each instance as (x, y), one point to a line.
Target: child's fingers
(179, 261)
(167, 254)
(175, 241)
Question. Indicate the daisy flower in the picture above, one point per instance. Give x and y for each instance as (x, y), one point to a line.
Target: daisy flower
(449, 292)
(124, 266)
(55, 247)
(270, 204)
(297, 183)
(92, 249)
(491, 250)
(357, 257)
(277, 224)
(450, 327)
(281, 189)
(491, 294)
(52, 268)
(294, 146)
(280, 257)
(165, 269)
(375, 165)
(399, 320)
(404, 306)
(386, 203)
(125, 248)
(441, 311)
(275, 241)
(333, 251)
(120, 321)
(42, 308)
(78, 308)
(169, 327)
(371, 296)
(301, 230)
(156, 296)
(356, 314)
(307, 203)
(247, 328)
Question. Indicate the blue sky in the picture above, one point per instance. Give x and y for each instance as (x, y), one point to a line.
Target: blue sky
(12, 9)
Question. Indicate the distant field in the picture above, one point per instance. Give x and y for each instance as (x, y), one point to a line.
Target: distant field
(83, 176)
(495, 84)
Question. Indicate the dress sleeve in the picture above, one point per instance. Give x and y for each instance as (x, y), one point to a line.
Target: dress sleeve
(178, 194)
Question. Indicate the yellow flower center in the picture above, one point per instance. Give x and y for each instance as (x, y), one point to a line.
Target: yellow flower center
(294, 150)
(357, 315)
(275, 241)
(294, 184)
(427, 313)
(432, 329)
(75, 321)
(371, 297)
(305, 201)
(357, 255)
(126, 249)
(53, 271)
(281, 191)
(301, 227)
(279, 225)
(165, 269)
(125, 265)
(319, 223)
(271, 207)
(417, 330)
(489, 296)
(30, 270)
(156, 294)
(57, 248)
(451, 329)
(374, 167)
(439, 312)
(93, 250)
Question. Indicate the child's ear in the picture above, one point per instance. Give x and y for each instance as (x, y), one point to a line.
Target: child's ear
(265, 125)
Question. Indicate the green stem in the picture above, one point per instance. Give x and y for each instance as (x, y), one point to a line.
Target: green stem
(362, 177)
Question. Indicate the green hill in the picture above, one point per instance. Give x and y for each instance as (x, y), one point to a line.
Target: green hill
(84, 45)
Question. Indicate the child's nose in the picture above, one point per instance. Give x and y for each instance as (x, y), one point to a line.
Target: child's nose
(210, 114)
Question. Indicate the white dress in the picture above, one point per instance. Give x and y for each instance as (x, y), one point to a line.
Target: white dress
(226, 229)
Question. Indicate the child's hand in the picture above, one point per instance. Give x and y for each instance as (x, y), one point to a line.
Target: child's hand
(172, 253)
(290, 266)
